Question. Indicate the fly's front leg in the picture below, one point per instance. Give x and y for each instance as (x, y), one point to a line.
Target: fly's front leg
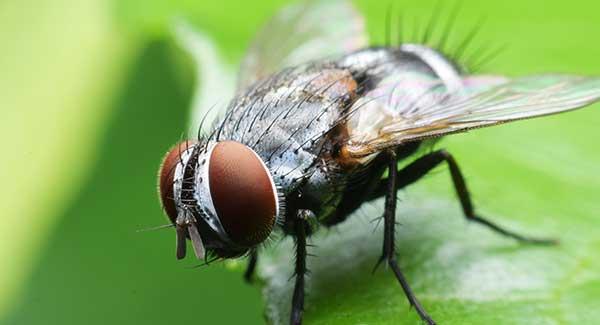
(422, 166)
(300, 270)
(253, 258)
(389, 248)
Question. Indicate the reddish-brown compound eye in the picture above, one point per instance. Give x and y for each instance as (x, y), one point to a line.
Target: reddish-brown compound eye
(165, 177)
(243, 193)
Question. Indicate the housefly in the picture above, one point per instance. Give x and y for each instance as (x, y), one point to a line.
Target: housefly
(317, 127)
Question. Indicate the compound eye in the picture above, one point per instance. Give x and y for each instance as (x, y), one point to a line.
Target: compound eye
(166, 176)
(243, 193)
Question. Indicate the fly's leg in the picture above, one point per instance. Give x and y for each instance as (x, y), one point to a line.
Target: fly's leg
(389, 248)
(420, 167)
(248, 275)
(300, 229)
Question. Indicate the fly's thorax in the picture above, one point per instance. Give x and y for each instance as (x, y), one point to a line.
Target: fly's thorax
(224, 192)
(288, 117)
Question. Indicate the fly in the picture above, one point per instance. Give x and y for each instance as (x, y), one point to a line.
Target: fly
(317, 127)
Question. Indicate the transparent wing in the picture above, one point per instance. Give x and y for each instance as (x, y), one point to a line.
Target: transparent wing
(496, 101)
(300, 33)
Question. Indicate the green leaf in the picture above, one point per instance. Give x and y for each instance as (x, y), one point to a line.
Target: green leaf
(462, 274)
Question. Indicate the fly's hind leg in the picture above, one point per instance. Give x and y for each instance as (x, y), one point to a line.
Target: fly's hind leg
(422, 166)
(389, 249)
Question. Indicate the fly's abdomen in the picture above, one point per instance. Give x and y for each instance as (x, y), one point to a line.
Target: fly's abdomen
(399, 82)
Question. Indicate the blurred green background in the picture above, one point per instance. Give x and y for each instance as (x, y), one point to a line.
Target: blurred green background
(92, 93)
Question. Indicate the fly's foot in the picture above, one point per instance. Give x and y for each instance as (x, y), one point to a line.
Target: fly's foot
(518, 237)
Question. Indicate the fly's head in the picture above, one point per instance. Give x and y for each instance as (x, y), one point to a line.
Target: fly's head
(221, 196)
